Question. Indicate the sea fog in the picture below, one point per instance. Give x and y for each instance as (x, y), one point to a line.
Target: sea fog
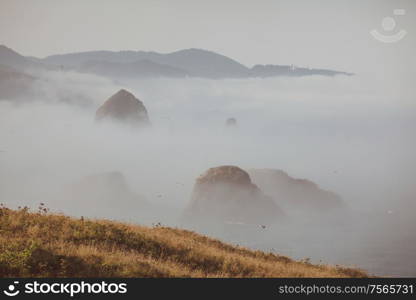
(353, 135)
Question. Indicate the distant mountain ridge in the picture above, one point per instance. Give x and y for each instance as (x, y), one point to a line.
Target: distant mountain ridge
(12, 59)
(189, 62)
(183, 63)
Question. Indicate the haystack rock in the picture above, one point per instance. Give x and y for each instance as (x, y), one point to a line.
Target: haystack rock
(124, 107)
(226, 194)
(295, 194)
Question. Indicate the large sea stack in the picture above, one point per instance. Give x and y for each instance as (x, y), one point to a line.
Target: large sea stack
(123, 107)
(226, 194)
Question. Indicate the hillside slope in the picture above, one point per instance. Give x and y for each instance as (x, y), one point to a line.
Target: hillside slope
(14, 84)
(10, 58)
(46, 245)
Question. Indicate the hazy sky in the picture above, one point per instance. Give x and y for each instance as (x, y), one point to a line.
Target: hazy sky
(319, 33)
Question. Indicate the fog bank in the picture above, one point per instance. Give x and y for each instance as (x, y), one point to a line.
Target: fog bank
(351, 135)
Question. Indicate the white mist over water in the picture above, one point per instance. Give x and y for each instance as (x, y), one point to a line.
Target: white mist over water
(351, 135)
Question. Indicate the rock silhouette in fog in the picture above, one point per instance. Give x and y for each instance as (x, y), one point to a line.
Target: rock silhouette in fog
(226, 194)
(295, 194)
(123, 107)
(231, 122)
(106, 194)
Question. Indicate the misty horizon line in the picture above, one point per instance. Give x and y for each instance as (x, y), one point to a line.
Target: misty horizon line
(190, 62)
(148, 51)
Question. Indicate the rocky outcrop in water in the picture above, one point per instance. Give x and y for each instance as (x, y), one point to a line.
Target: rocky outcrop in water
(123, 107)
(226, 194)
(231, 122)
(106, 194)
(295, 194)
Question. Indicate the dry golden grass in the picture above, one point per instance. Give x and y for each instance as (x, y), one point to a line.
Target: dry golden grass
(47, 245)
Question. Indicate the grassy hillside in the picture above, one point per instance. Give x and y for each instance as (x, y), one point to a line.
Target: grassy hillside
(47, 245)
